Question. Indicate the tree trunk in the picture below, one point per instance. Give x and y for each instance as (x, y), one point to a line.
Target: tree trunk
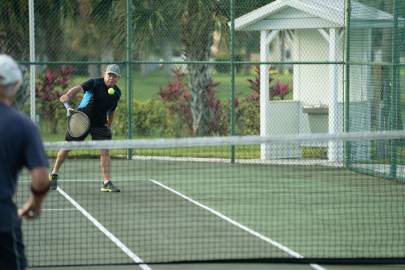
(197, 37)
(199, 80)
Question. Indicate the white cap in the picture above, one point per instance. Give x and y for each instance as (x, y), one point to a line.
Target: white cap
(9, 71)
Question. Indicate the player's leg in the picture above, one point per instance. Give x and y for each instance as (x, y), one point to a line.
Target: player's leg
(53, 177)
(105, 164)
(12, 255)
(104, 133)
(60, 158)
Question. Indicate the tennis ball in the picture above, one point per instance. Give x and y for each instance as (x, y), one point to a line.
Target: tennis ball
(111, 91)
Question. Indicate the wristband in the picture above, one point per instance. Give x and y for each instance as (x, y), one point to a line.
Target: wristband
(40, 192)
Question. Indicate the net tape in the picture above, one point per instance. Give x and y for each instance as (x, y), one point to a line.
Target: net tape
(227, 141)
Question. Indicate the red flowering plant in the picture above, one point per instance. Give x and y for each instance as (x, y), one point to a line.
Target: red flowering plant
(51, 85)
(255, 85)
(249, 108)
(217, 123)
(277, 90)
(177, 98)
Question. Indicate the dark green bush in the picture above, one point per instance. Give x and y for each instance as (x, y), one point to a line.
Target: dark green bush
(225, 68)
(247, 117)
(150, 119)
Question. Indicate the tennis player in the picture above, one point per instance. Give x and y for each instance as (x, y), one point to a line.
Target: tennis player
(100, 99)
(20, 146)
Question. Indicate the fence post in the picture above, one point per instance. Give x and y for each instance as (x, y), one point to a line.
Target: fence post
(31, 26)
(395, 108)
(347, 79)
(232, 99)
(129, 71)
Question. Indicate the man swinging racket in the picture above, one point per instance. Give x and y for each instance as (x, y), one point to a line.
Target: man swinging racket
(100, 99)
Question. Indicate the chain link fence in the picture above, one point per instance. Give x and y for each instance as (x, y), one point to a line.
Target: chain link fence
(216, 68)
(375, 87)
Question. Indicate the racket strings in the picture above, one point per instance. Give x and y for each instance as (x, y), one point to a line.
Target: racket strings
(78, 124)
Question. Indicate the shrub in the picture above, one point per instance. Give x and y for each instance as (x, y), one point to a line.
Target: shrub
(177, 99)
(226, 67)
(248, 114)
(247, 117)
(51, 85)
(150, 119)
(277, 90)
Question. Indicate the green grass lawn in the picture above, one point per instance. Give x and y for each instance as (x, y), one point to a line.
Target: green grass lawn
(147, 87)
(222, 152)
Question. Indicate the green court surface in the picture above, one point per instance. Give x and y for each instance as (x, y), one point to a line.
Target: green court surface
(172, 210)
(234, 266)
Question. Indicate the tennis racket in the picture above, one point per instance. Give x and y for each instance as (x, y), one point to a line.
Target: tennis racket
(78, 123)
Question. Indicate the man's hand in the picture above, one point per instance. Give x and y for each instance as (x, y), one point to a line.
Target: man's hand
(64, 98)
(39, 188)
(70, 94)
(31, 209)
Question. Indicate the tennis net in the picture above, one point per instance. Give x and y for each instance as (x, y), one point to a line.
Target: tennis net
(257, 199)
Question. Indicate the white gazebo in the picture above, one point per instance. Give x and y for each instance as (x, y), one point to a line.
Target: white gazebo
(317, 27)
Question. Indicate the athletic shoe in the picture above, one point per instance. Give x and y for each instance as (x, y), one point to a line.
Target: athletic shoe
(109, 187)
(53, 178)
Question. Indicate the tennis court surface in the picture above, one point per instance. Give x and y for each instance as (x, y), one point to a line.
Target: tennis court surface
(183, 203)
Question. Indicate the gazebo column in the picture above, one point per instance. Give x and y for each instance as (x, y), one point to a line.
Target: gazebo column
(334, 148)
(265, 39)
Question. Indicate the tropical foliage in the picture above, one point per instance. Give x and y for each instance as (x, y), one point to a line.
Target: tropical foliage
(278, 90)
(51, 85)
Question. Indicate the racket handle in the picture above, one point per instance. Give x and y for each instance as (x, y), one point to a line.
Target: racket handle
(66, 104)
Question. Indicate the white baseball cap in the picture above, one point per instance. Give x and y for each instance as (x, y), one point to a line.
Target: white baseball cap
(9, 71)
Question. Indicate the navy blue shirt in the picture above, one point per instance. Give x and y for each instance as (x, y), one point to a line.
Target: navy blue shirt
(97, 103)
(20, 146)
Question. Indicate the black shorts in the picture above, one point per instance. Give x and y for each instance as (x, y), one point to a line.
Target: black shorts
(12, 250)
(97, 133)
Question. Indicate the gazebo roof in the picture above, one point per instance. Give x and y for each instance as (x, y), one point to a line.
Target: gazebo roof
(301, 14)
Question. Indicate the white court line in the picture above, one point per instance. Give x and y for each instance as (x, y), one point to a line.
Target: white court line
(237, 224)
(99, 226)
(59, 209)
(97, 180)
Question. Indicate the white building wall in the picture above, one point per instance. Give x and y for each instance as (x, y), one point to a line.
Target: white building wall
(314, 84)
(311, 82)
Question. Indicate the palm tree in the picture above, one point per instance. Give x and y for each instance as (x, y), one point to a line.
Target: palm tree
(49, 16)
(14, 28)
(197, 20)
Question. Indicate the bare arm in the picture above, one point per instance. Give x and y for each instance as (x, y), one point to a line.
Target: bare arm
(70, 94)
(39, 187)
